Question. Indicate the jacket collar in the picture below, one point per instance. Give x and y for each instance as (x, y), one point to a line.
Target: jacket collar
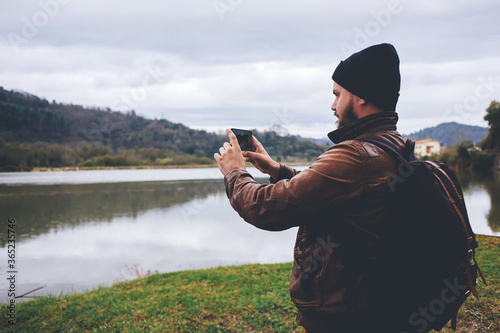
(381, 121)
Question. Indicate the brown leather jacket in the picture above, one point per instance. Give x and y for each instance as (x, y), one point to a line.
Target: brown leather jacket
(337, 203)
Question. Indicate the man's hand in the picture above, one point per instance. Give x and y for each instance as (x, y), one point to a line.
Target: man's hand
(229, 156)
(261, 160)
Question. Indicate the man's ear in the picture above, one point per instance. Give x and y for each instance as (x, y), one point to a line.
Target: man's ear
(362, 101)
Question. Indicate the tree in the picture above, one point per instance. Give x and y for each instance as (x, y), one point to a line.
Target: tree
(492, 140)
(464, 160)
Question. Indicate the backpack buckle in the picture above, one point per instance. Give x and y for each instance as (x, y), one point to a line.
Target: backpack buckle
(470, 255)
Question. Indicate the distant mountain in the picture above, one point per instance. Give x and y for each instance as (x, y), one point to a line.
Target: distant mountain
(451, 134)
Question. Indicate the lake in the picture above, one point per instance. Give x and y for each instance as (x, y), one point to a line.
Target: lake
(76, 230)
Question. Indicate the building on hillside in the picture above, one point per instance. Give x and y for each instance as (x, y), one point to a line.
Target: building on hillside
(427, 147)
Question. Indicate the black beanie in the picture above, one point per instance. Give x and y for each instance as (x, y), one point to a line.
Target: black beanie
(373, 75)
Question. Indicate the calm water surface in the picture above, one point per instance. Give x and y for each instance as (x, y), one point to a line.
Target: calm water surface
(80, 229)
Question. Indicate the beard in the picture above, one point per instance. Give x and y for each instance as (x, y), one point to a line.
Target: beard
(348, 116)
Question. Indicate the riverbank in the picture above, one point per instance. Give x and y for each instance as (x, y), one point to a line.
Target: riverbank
(129, 167)
(248, 298)
(136, 167)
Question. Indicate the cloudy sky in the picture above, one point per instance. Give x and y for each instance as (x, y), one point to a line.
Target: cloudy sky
(214, 64)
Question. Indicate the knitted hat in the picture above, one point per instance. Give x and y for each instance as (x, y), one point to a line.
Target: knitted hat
(373, 75)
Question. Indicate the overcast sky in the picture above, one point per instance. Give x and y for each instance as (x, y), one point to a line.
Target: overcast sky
(214, 64)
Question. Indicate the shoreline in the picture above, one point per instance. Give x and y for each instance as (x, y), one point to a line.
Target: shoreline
(134, 167)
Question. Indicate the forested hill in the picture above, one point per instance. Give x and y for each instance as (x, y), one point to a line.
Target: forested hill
(27, 118)
(451, 134)
(36, 129)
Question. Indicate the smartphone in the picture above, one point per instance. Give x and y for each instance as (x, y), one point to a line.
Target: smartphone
(244, 138)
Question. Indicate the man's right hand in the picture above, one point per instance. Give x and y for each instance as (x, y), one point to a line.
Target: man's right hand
(261, 160)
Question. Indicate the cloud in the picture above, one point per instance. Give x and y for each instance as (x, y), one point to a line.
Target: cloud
(239, 66)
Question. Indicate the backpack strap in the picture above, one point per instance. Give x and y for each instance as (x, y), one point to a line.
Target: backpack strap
(470, 238)
(405, 155)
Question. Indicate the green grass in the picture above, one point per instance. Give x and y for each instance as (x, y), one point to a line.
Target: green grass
(249, 298)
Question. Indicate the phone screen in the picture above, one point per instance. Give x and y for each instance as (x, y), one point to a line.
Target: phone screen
(244, 138)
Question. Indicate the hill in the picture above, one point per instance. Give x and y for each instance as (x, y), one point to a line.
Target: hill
(451, 134)
(37, 133)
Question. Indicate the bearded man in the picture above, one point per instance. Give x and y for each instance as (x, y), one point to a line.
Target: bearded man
(338, 203)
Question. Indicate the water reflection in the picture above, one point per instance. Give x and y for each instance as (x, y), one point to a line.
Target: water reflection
(200, 233)
(75, 237)
(482, 194)
(39, 209)
(493, 188)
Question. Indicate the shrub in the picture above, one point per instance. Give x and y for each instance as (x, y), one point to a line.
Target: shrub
(482, 161)
(87, 163)
(448, 156)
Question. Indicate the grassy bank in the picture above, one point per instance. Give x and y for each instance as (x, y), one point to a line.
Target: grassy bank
(249, 298)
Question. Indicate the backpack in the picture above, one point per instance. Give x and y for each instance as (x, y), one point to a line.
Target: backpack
(427, 266)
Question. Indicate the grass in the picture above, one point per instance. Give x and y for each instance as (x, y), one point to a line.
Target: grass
(249, 298)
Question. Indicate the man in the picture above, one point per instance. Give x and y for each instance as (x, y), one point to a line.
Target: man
(338, 203)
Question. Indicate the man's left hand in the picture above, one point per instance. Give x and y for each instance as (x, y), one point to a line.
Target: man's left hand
(229, 156)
